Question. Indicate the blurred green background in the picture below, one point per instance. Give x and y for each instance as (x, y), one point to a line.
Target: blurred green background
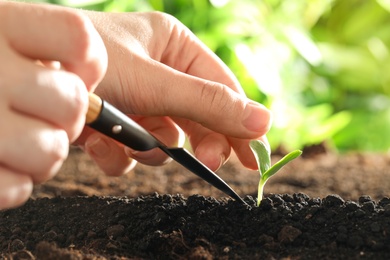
(321, 66)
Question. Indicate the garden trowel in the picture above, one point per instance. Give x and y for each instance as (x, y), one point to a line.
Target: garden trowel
(108, 120)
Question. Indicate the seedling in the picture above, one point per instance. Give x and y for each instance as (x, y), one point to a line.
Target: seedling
(263, 158)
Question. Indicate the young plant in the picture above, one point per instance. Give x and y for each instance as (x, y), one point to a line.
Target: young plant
(263, 158)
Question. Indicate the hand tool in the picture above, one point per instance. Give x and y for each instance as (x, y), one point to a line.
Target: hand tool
(107, 119)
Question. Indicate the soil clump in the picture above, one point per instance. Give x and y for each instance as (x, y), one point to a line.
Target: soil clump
(323, 206)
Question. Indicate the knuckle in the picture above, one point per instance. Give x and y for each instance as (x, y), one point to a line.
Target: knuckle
(53, 147)
(165, 21)
(161, 16)
(36, 152)
(219, 101)
(213, 98)
(87, 47)
(75, 114)
(79, 27)
(58, 145)
(71, 96)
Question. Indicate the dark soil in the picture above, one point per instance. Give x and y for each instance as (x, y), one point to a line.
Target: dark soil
(322, 206)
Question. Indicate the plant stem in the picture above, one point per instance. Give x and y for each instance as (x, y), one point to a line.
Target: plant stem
(260, 191)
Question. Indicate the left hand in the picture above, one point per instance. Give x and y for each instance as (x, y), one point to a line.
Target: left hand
(42, 108)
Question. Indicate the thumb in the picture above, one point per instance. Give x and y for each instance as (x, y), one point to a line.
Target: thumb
(214, 105)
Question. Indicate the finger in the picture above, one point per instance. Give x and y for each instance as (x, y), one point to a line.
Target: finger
(244, 152)
(213, 151)
(55, 96)
(166, 131)
(15, 188)
(74, 42)
(211, 148)
(49, 64)
(103, 149)
(211, 104)
(108, 154)
(39, 151)
(199, 60)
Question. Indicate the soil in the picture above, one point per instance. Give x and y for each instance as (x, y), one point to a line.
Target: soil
(321, 206)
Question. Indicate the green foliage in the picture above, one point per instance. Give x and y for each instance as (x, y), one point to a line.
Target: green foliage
(263, 158)
(321, 66)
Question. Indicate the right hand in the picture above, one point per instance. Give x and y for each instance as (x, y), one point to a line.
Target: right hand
(165, 78)
(42, 107)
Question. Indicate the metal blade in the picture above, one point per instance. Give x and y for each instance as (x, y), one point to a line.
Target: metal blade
(108, 120)
(187, 160)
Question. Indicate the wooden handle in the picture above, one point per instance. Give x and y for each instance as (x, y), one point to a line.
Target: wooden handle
(94, 108)
(108, 120)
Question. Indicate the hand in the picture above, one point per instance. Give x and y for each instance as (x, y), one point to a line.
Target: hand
(159, 71)
(42, 108)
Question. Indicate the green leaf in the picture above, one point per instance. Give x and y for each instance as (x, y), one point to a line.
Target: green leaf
(263, 158)
(277, 166)
(262, 155)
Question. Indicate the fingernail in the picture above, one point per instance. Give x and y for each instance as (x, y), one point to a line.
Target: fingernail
(138, 155)
(221, 162)
(210, 158)
(98, 147)
(256, 117)
(216, 164)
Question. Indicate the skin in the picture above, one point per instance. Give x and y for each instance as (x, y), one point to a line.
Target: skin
(42, 108)
(148, 65)
(161, 72)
